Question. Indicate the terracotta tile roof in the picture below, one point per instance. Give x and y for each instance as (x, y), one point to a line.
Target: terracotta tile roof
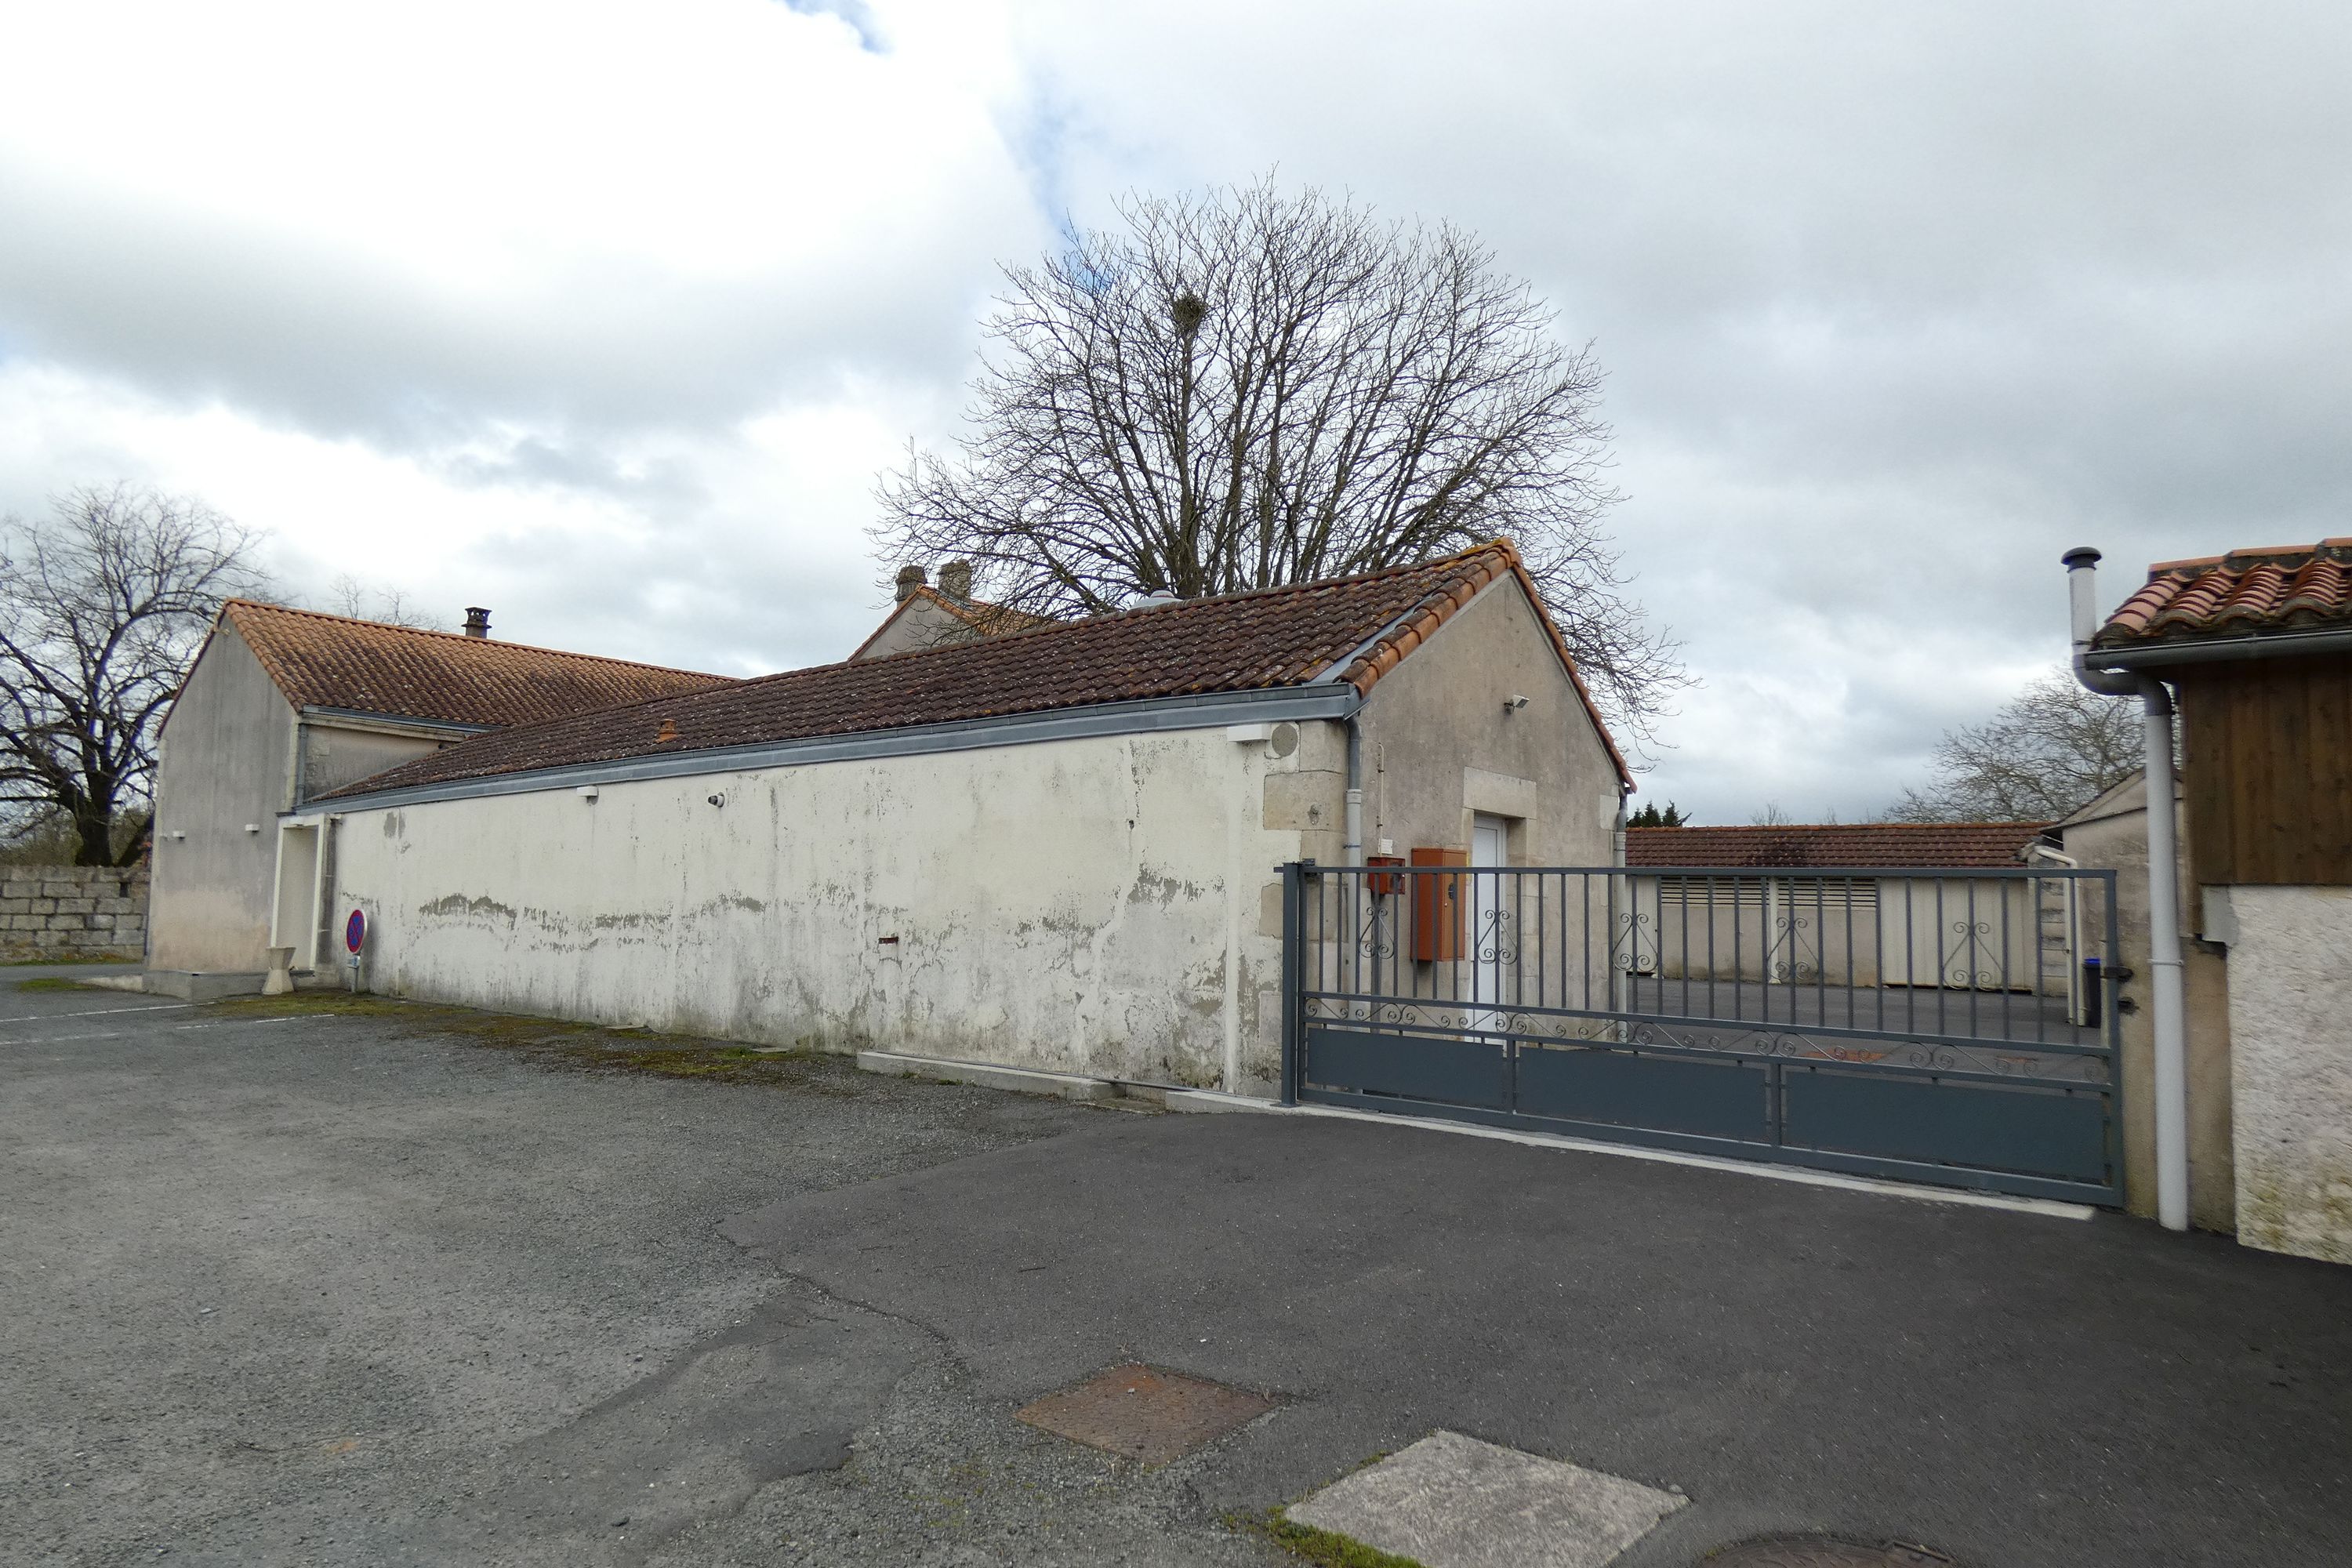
(1886, 844)
(1350, 628)
(333, 661)
(2291, 588)
(990, 620)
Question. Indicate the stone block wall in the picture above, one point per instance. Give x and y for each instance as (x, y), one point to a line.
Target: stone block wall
(72, 911)
(2291, 1064)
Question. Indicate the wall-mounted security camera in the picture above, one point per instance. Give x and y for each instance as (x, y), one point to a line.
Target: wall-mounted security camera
(1513, 703)
(719, 799)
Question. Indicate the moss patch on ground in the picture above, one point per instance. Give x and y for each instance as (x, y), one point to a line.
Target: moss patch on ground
(58, 983)
(560, 1043)
(23, 958)
(1324, 1547)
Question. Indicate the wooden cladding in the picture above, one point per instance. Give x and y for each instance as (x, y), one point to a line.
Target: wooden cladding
(2268, 780)
(1437, 906)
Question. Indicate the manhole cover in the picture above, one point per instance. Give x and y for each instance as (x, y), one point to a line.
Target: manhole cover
(1145, 1413)
(1825, 1551)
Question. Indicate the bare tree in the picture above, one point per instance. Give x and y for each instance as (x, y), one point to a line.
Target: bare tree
(347, 595)
(1773, 815)
(101, 608)
(1247, 389)
(2048, 751)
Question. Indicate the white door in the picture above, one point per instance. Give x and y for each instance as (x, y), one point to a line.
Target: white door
(1490, 934)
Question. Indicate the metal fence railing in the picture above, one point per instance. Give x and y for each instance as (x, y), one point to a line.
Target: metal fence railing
(1982, 979)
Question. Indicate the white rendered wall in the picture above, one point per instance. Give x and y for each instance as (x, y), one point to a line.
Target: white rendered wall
(2290, 1068)
(1083, 906)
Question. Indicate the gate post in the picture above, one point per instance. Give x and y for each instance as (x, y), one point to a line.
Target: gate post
(1293, 978)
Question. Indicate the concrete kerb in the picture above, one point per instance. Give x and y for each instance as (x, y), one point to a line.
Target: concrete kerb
(1021, 1080)
(195, 985)
(1096, 1091)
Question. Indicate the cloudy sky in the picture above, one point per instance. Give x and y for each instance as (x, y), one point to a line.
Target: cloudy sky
(607, 316)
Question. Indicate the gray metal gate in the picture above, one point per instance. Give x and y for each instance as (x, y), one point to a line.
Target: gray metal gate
(1950, 1027)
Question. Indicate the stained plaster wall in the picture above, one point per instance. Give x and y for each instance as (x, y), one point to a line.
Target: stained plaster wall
(2290, 1024)
(2113, 836)
(226, 763)
(1078, 906)
(1109, 906)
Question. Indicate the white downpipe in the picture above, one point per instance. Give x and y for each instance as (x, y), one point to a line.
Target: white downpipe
(2163, 961)
(1351, 853)
(2074, 929)
(1620, 983)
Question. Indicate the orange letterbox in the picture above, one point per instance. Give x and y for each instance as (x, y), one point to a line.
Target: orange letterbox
(1437, 906)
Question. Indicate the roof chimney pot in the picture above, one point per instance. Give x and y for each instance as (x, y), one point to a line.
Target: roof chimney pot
(955, 581)
(478, 621)
(910, 579)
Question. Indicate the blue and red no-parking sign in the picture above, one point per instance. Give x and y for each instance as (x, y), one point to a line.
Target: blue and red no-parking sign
(356, 931)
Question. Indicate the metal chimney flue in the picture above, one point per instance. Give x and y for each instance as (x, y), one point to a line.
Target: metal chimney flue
(478, 621)
(2168, 1026)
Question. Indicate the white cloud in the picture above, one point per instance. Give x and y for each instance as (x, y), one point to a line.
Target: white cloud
(608, 314)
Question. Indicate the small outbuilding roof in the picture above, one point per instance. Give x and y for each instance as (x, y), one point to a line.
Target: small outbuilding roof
(1347, 629)
(1891, 844)
(366, 667)
(2247, 593)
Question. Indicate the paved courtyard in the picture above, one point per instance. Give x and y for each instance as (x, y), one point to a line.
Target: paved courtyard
(413, 1286)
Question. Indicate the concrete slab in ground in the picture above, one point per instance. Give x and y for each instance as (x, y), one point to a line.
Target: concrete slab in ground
(1451, 1502)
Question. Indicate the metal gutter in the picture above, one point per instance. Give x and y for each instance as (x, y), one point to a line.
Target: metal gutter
(2271, 645)
(1158, 715)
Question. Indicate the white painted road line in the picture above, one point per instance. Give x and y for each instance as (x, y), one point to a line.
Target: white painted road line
(56, 1040)
(95, 1013)
(1799, 1174)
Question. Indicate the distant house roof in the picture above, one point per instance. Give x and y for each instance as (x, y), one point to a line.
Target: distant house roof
(1891, 844)
(1348, 630)
(982, 618)
(2245, 593)
(367, 667)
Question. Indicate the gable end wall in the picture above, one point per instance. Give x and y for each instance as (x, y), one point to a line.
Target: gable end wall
(227, 761)
(1438, 747)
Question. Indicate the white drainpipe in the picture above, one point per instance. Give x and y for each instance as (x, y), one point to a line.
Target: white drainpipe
(2164, 957)
(2073, 927)
(1352, 848)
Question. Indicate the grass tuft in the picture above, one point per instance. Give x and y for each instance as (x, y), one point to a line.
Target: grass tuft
(21, 958)
(58, 983)
(1323, 1547)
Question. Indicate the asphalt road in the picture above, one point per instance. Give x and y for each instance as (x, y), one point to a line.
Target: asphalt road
(362, 1289)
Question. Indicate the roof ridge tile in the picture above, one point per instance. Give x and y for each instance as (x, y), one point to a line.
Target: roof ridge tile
(2246, 593)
